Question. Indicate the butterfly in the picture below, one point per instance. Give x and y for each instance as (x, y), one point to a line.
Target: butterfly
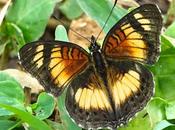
(109, 85)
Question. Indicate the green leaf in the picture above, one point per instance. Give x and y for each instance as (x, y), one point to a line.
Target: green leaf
(170, 110)
(44, 106)
(28, 118)
(11, 93)
(14, 32)
(164, 124)
(10, 87)
(99, 11)
(164, 70)
(61, 33)
(156, 110)
(170, 30)
(31, 16)
(70, 9)
(6, 124)
(166, 44)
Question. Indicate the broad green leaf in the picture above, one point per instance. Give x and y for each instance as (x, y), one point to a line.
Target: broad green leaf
(44, 106)
(11, 93)
(167, 43)
(170, 30)
(66, 122)
(70, 9)
(61, 33)
(6, 124)
(164, 70)
(6, 97)
(31, 120)
(99, 11)
(164, 124)
(156, 110)
(10, 87)
(31, 16)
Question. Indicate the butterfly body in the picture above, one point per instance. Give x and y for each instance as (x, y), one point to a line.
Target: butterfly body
(97, 59)
(109, 85)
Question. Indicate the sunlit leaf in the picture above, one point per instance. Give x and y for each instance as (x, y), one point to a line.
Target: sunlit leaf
(44, 106)
(70, 9)
(31, 16)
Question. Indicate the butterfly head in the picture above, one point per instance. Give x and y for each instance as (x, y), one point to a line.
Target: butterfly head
(94, 47)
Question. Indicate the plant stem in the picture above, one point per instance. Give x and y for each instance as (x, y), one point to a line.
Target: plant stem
(4, 57)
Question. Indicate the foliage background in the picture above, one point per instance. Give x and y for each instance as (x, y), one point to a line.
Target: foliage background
(26, 21)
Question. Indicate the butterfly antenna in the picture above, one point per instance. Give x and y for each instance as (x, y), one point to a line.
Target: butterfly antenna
(78, 34)
(107, 19)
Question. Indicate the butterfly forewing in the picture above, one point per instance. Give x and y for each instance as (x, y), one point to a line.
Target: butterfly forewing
(93, 104)
(54, 64)
(136, 36)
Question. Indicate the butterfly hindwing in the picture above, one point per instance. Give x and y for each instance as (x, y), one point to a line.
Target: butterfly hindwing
(131, 86)
(54, 64)
(88, 101)
(136, 36)
(92, 104)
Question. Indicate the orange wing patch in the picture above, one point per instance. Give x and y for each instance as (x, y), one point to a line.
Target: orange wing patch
(136, 36)
(65, 63)
(132, 46)
(123, 86)
(54, 64)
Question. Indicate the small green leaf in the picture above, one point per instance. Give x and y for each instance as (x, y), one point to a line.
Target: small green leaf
(28, 118)
(61, 33)
(70, 9)
(31, 16)
(44, 106)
